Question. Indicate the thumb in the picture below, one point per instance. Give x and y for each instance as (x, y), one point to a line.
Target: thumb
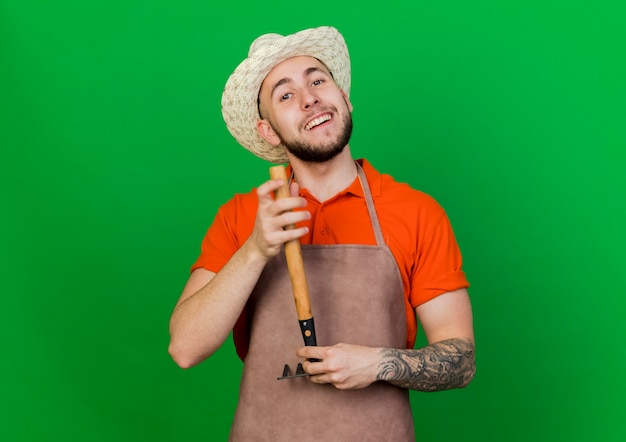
(294, 189)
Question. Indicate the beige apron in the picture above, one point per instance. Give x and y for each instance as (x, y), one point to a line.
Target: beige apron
(357, 298)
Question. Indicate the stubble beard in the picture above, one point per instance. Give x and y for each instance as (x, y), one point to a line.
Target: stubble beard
(320, 154)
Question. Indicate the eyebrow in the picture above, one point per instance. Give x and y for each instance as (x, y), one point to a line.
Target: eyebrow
(286, 80)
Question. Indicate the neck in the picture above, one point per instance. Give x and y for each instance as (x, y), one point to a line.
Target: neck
(325, 180)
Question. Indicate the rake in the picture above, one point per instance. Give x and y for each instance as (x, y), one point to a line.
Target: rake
(293, 255)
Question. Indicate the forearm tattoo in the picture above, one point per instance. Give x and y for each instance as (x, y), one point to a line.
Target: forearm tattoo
(439, 366)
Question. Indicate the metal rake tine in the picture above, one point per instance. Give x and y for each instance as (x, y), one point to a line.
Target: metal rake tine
(287, 372)
(300, 371)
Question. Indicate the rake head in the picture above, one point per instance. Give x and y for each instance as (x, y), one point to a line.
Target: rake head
(300, 373)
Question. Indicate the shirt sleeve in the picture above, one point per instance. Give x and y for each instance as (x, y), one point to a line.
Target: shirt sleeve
(229, 230)
(438, 268)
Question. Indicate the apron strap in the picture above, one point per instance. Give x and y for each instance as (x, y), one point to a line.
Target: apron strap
(369, 200)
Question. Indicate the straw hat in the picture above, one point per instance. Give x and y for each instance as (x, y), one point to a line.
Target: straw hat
(239, 100)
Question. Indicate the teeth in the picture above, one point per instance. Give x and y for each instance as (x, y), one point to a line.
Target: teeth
(317, 122)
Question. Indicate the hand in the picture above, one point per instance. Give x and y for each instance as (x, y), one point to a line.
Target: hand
(345, 366)
(274, 216)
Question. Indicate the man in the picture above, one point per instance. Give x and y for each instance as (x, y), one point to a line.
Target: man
(378, 256)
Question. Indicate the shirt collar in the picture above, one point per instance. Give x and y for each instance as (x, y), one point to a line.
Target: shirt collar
(373, 178)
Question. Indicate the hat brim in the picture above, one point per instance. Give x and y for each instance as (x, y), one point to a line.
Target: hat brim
(239, 100)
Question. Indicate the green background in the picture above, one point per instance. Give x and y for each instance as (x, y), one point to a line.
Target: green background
(114, 159)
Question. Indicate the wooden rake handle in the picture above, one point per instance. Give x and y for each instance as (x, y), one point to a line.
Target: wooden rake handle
(293, 254)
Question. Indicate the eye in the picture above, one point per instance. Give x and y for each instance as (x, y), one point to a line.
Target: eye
(286, 96)
(317, 82)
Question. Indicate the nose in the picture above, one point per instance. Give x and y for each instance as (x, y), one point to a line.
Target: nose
(309, 99)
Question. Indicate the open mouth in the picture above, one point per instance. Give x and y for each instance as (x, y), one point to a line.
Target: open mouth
(316, 122)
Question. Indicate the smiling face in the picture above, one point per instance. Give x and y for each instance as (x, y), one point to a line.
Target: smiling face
(302, 108)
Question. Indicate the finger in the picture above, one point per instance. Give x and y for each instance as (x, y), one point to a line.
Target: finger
(314, 368)
(267, 189)
(289, 203)
(311, 352)
(286, 235)
(320, 378)
(278, 206)
(289, 218)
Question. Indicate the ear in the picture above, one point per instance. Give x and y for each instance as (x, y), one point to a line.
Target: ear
(345, 97)
(266, 131)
